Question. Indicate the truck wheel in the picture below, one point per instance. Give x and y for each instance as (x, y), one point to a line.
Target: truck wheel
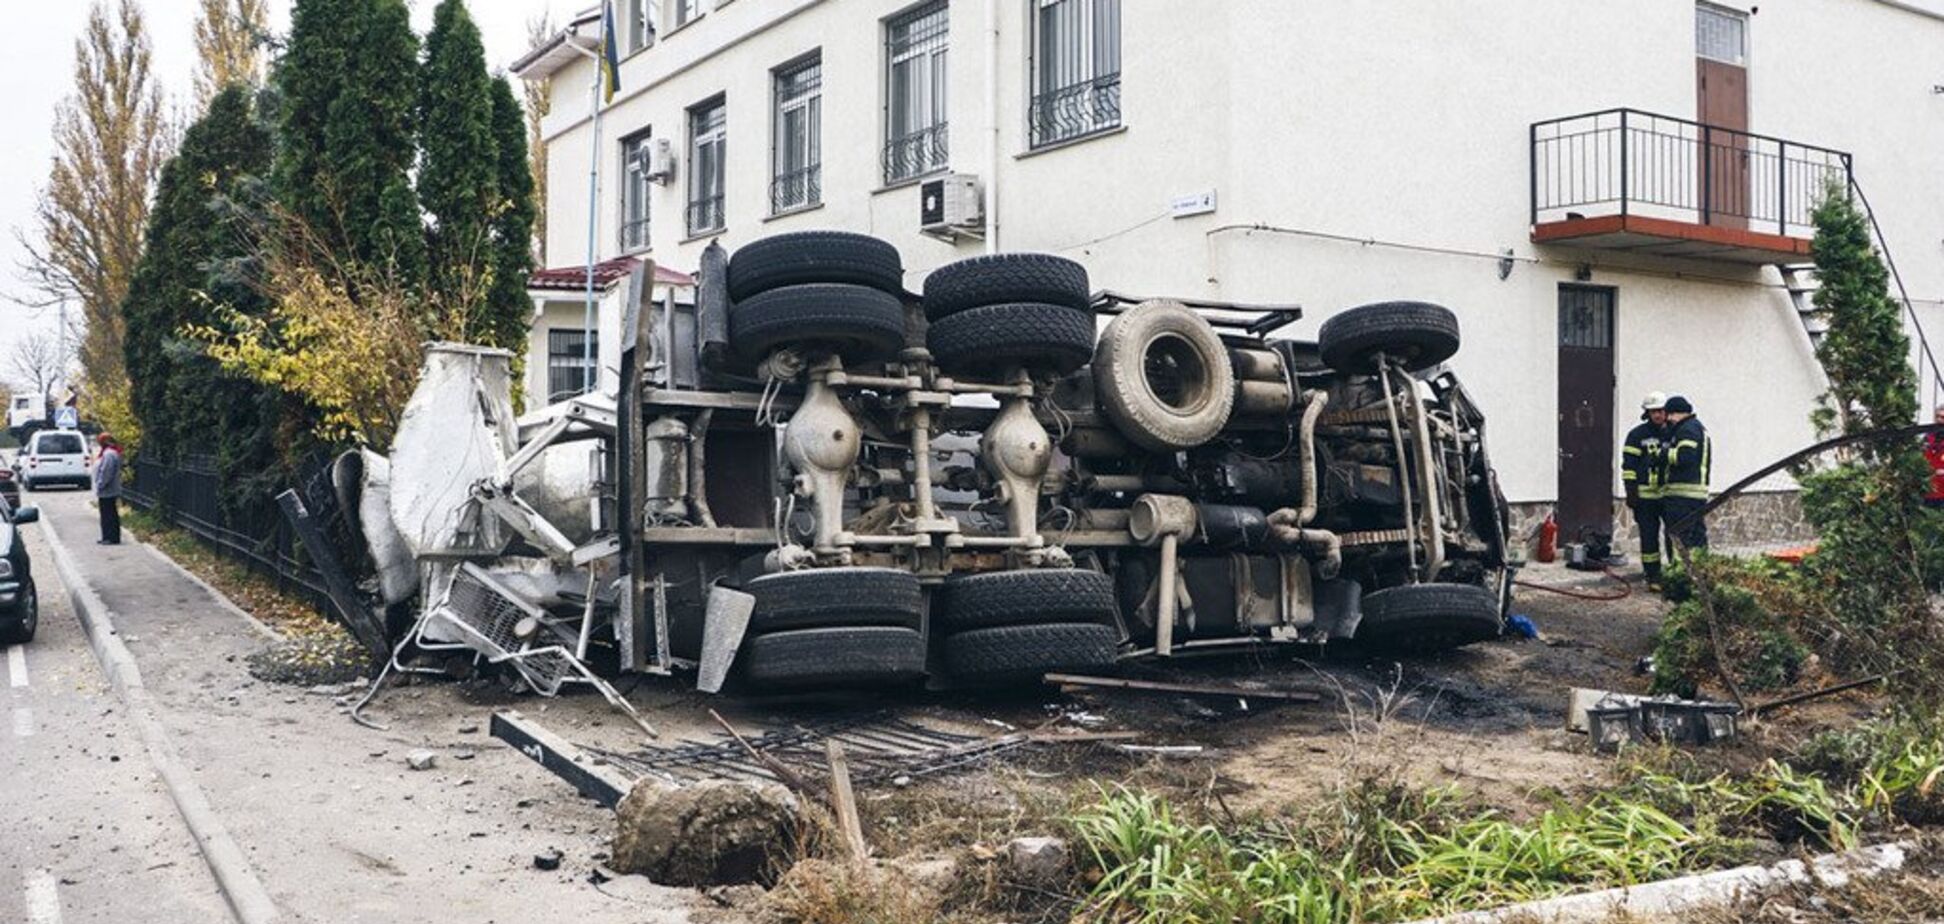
(1163, 376)
(1038, 336)
(805, 257)
(856, 322)
(822, 598)
(1020, 654)
(857, 656)
(1011, 598)
(1428, 617)
(998, 279)
(1419, 334)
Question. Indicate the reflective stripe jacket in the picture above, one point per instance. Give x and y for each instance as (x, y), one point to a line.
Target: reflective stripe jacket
(1689, 456)
(1642, 460)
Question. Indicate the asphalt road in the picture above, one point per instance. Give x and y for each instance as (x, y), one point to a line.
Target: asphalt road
(87, 832)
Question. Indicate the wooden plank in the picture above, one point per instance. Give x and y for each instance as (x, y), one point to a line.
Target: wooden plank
(1190, 689)
(843, 802)
(600, 783)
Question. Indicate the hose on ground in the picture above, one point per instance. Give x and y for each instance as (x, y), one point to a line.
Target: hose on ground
(1626, 589)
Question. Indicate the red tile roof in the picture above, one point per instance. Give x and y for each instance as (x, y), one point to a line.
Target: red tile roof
(606, 275)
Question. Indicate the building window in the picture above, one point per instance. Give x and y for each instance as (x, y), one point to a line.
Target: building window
(915, 139)
(637, 152)
(1720, 34)
(639, 24)
(708, 143)
(571, 361)
(796, 179)
(1076, 69)
(683, 12)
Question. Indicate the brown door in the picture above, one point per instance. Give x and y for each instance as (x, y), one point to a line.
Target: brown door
(1586, 449)
(1721, 83)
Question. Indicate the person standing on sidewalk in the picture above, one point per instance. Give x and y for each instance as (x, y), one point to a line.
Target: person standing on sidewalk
(1642, 470)
(108, 487)
(1934, 454)
(1689, 456)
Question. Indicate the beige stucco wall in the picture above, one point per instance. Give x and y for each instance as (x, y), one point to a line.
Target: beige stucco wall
(1404, 125)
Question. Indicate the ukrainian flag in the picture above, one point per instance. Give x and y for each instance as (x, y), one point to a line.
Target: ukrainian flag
(610, 56)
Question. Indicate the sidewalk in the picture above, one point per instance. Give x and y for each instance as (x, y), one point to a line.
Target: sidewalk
(335, 826)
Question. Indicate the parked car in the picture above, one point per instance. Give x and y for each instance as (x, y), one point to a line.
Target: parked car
(974, 487)
(9, 486)
(19, 602)
(55, 457)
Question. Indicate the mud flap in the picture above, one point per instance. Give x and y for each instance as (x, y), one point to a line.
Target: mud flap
(723, 626)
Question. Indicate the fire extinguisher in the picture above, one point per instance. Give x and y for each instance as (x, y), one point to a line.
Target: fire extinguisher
(1548, 540)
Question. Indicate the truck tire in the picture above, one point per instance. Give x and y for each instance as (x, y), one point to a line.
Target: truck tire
(806, 257)
(1163, 377)
(1020, 654)
(1428, 617)
(989, 337)
(1419, 334)
(997, 279)
(857, 322)
(856, 656)
(1013, 598)
(823, 598)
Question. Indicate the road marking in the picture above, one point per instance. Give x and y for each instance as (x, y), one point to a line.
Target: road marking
(17, 665)
(43, 898)
(23, 722)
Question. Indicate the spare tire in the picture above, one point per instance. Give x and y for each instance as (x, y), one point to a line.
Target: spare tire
(807, 257)
(996, 279)
(837, 657)
(856, 322)
(1428, 617)
(1038, 336)
(1418, 334)
(1163, 377)
(1020, 654)
(1011, 598)
(826, 597)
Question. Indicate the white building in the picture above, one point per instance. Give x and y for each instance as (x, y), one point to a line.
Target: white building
(1325, 152)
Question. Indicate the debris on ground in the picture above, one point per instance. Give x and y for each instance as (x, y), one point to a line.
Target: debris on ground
(314, 661)
(547, 860)
(421, 760)
(708, 833)
(1039, 860)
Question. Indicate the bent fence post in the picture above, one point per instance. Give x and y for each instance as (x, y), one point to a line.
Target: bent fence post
(357, 617)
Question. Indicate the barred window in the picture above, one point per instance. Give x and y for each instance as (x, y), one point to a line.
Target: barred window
(636, 152)
(1720, 34)
(796, 177)
(1076, 69)
(570, 371)
(708, 146)
(639, 24)
(684, 12)
(915, 128)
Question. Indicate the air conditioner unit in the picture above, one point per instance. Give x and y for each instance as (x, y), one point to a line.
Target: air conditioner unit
(661, 161)
(951, 207)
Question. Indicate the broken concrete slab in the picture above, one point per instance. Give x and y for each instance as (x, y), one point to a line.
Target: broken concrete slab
(421, 760)
(1038, 860)
(705, 834)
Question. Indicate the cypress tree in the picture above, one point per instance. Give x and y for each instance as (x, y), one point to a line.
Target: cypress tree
(512, 250)
(458, 165)
(368, 137)
(312, 75)
(174, 392)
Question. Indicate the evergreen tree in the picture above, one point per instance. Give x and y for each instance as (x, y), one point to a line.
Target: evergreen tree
(458, 165)
(512, 250)
(1866, 352)
(312, 74)
(181, 397)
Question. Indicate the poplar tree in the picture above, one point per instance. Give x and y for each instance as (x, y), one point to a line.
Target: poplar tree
(458, 179)
(512, 249)
(539, 102)
(229, 46)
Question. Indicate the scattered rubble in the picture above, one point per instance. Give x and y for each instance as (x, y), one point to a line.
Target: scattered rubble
(707, 833)
(1039, 860)
(547, 860)
(314, 661)
(421, 760)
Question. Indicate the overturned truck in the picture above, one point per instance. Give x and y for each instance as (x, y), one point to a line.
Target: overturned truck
(823, 480)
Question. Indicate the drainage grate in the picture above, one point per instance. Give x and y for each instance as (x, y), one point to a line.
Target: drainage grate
(879, 747)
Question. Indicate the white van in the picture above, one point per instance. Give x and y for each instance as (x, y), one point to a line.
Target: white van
(55, 457)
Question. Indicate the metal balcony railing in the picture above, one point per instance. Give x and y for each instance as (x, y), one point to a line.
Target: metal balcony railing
(796, 189)
(1629, 162)
(916, 154)
(1071, 112)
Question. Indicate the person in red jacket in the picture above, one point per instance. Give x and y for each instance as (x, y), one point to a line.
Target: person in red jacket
(1934, 454)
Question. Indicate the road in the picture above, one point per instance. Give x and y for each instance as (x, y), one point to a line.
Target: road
(328, 816)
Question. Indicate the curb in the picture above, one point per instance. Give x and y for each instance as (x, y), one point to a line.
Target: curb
(241, 889)
(1692, 893)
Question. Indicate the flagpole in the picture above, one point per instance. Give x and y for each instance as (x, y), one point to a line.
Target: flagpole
(590, 373)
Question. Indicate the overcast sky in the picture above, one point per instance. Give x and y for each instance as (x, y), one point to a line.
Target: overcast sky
(37, 63)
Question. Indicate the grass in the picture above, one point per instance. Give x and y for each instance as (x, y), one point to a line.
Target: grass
(255, 594)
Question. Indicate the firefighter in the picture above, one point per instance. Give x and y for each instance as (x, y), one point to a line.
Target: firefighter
(1642, 466)
(1934, 454)
(1689, 456)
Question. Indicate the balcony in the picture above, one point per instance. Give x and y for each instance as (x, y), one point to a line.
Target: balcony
(1627, 180)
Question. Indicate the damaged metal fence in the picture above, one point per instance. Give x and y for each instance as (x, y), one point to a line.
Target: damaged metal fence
(880, 747)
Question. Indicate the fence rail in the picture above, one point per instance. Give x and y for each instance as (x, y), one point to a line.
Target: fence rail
(1626, 161)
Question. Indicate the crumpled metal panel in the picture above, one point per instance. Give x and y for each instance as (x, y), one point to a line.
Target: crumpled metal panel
(397, 573)
(456, 430)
